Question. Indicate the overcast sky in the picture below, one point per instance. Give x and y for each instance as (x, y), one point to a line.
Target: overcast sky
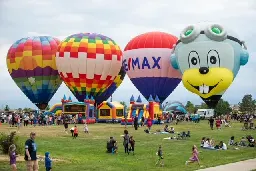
(123, 20)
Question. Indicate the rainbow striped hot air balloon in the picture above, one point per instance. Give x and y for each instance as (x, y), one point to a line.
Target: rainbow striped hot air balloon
(146, 61)
(31, 64)
(88, 63)
(112, 88)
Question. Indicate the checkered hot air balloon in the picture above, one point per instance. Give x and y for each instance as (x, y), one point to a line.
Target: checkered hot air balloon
(31, 64)
(112, 88)
(88, 63)
(147, 63)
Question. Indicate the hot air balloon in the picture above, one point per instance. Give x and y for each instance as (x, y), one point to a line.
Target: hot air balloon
(146, 59)
(209, 57)
(175, 107)
(112, 88)
(88, 63)
(31, 64)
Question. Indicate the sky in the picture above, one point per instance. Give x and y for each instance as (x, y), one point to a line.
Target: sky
(122, 22)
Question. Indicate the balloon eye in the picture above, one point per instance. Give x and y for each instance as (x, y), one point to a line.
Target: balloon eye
(188, 32)
(216, 30)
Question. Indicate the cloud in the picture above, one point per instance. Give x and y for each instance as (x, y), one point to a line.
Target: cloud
(122, 22)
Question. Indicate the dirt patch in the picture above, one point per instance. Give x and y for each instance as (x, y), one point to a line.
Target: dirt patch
(21, 158)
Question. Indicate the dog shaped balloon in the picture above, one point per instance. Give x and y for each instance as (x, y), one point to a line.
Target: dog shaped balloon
(209, 57)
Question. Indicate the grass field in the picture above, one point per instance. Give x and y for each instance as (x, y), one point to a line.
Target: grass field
(87, 152)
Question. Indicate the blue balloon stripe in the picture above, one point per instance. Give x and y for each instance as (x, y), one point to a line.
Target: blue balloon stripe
(160, 86)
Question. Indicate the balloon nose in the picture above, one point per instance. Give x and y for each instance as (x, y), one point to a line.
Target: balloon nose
(203, 70)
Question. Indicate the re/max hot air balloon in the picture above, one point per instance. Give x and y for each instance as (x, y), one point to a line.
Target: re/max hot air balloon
(146, 60)
(209, 58)
(88, 63)
(112, 88)
(31, 64)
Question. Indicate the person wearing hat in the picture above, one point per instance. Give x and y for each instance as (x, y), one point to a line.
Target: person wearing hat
(30, 153)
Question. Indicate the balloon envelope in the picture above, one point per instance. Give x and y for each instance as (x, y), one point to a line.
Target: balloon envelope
(209, 57)
(146, 61)
(31, 64)
(112, 88)
(88, 63)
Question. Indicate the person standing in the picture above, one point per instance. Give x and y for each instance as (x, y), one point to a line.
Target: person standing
(30, 153)
(136, 124)
(211, 121)
(142, 121)
(126, 141)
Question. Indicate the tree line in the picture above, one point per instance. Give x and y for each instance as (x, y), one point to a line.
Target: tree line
(246, 106)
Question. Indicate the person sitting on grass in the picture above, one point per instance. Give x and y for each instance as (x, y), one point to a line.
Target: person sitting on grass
(222, 146)
(231, 141)
(251, 141)
(242, 142)
(166, 128)
(207, 144)
(194, 157)
(112, 145)
(202, 142)
(172, 130)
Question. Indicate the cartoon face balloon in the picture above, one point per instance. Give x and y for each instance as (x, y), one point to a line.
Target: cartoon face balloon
(209, 57)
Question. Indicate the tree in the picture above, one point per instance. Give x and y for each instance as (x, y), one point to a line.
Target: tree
(7, 108)
(247, 105)
(190, 107)
(222, 108)
(27, 110)
(204, 106)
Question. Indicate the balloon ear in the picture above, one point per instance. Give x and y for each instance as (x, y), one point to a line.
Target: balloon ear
(174, 62)
(244, 56)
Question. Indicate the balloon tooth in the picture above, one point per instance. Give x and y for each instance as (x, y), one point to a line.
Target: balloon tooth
(206, 89)
(201, 89)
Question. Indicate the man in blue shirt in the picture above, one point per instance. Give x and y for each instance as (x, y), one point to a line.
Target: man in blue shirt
(30, 153)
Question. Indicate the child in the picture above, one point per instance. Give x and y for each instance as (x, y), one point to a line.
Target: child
(34, 121)
(48, 162)
(72, 131)
(13, 156)
(160, 156)
(132, 143)
(194, 157)
(75, 132)
(86, 128)
(202, 142)
(232, 141)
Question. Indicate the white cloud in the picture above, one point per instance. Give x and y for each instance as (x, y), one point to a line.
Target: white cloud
(122, 22)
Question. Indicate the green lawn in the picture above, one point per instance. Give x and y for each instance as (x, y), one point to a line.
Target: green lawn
(88, 151)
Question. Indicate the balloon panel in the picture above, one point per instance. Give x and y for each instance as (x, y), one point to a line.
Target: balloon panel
(31, 64)
(146, 61)
(112, 88)
(88, 63)
(209, 57)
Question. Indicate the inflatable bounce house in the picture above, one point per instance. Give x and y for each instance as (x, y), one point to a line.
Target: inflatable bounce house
(152, 110)
(109, 112)
(85, 110)
(56, 109)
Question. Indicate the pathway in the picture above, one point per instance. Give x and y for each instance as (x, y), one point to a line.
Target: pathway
(246, 165)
